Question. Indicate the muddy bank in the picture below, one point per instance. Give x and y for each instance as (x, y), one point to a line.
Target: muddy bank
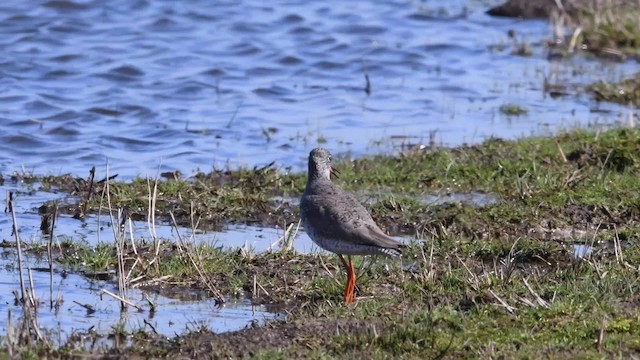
(607, 29)
(542, 9)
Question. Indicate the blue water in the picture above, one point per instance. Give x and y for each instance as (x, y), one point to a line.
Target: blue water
(172, 316)
(201, 84)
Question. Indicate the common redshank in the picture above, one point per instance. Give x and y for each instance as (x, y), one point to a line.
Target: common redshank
(337, 222)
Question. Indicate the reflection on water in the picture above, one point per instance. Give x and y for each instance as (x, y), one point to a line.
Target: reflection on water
(192, 85)
(581, 251)
(170, 317)
(473, 198)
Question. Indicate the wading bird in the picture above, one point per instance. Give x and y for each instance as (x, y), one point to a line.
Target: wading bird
(337, 222)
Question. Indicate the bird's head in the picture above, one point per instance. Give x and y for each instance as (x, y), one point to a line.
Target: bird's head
(321, 165)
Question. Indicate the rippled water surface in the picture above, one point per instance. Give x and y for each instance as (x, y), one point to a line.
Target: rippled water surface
(197, 84)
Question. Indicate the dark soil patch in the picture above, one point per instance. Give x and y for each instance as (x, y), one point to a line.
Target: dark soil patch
(288, 337)
(528, 9)
(531, 9)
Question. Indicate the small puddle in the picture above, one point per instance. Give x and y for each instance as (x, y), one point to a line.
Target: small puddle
(77, 293)
(581, 251)
(473, 198)
(257, 239)
(601, 248)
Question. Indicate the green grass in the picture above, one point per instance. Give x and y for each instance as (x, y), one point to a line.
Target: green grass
(513, 110)
(486, 281)
(610, 29)
(625, 92)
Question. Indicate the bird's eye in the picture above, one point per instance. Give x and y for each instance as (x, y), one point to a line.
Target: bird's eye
(329, 159)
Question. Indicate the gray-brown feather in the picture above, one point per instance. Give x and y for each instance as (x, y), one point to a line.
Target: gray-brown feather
(336, 221)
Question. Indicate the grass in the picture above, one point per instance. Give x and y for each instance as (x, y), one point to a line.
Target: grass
(625, 92)
(607, 29)
(459, 301)
(497, 280)
(610, 28)
(513, 110)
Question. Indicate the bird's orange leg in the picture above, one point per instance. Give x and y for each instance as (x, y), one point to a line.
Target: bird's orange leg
(352, 281)
(348, 290)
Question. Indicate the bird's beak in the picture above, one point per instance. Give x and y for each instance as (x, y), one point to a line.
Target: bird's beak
(334, 172)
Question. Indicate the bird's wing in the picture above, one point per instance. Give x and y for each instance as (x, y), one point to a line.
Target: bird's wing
(337, 214)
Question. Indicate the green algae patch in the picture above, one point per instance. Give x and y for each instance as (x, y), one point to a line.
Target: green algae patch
(513, 110)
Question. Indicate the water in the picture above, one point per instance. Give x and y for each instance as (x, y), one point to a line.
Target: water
(581, 251)
(171, 316)
(193, 85)
(95, 229)
(475, 198)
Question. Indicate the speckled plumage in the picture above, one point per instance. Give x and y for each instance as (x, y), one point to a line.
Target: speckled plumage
(335, 220)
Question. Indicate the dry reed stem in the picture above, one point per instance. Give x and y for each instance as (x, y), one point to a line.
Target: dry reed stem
(152, 306)
(254, 294)
(90, 309)
(11, 341)
(32, 312)
(121, 299)
(151, 216)
(289, 237)
(18, 244)
(102, 198)
(286, 238)
(120, 249)
(617, 247)
(503, 303)
(92, 174)
(119, 236)
(539, 299)
(49, 252)
(324, 266)
(473, 280)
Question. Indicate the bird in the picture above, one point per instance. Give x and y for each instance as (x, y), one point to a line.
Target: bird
(337, 222)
